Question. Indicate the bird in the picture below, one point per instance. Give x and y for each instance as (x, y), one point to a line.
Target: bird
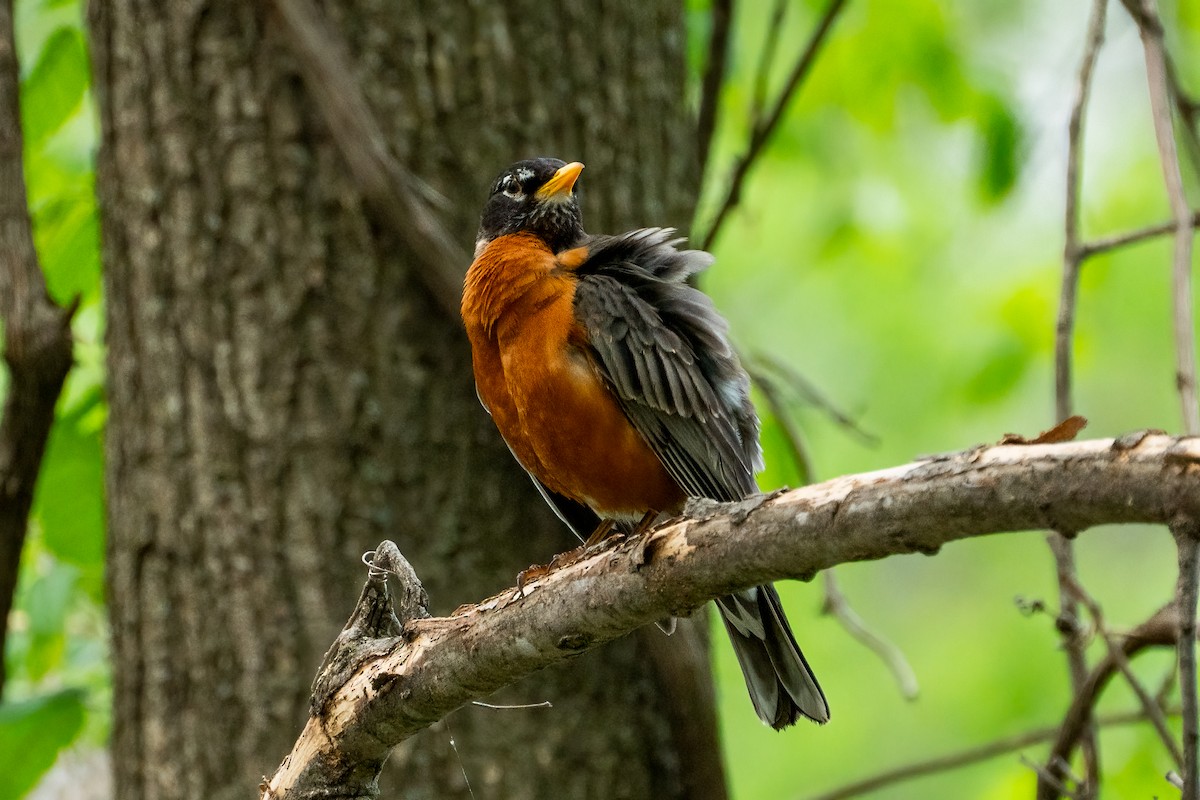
(616, 387)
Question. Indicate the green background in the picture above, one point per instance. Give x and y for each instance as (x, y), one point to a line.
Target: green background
(899, 245)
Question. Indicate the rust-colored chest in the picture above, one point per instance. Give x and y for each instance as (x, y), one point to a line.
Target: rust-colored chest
(534, 374)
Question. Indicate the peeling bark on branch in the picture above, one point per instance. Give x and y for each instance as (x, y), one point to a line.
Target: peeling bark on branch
(439, 664)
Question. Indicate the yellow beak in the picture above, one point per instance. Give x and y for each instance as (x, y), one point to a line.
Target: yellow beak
(561, 183)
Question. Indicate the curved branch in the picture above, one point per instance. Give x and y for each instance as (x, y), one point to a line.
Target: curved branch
(440, 664)
(968, 756)
(37, 337)
(764, 128)
(1161, 630)
(398, 199)
(714, 79)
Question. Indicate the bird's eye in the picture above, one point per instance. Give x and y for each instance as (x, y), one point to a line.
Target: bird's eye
(512, 187)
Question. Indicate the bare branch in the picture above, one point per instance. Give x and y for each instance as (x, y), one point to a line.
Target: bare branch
(440, 664)
(1074, 644)
(1108, 243)
(1060, 546)
(891, 655)
(1150, 706)
(762, 133)
(964, 758)
(37, 337)
(714, 79)
(1071, 246)
(1187, 541)
(1145, 14)
(807, 393)
(1189, 114)
(766, 59)
(779, 410)
(397, 197)
(1161, 630)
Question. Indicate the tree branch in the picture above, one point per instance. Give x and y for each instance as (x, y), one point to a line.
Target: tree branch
(37, 336)
(892, 656)
(440, 664)
(1161, 630)
(714, 79)
(762, 130)
(1187, 542)
(1060, 546)
(1103, 245)
(1145, 14)
(1072, 250)
(397, 198)
(966, 757)
(1154, 712)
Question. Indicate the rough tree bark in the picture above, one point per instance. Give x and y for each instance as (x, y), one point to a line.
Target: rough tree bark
(284, 393)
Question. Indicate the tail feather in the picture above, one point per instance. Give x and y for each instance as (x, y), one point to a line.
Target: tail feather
(781, 684)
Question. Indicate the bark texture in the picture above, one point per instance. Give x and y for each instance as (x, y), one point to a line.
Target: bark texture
(285, 393)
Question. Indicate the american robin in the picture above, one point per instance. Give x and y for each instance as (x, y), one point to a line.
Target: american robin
(615, 386)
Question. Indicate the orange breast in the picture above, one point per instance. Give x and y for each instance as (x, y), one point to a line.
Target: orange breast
(544, 394)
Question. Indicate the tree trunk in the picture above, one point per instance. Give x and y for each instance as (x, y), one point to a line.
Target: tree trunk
(284, 393)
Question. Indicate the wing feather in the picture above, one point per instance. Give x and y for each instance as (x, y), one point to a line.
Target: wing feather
(664, 349)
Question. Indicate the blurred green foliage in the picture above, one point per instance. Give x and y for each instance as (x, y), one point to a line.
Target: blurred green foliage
(33, 732)
(899, 245)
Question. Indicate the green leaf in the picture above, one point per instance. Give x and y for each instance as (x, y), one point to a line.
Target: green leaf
(52, 91)
(1002, 369)
(999, 149)
(48, 599)
(68, 242)
(32, 733)
(69, 501)
(45, 603)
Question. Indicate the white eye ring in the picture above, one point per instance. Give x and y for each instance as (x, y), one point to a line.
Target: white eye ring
(512, 188)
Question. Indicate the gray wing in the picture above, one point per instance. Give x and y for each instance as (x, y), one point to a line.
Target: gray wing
(663, 348)
(665, 351)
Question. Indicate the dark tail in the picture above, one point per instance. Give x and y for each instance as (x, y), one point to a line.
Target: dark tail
(781, 684)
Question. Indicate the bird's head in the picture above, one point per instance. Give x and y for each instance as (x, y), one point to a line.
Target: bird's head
(534, 196)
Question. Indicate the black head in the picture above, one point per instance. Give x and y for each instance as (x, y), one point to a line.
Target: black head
(538, 196)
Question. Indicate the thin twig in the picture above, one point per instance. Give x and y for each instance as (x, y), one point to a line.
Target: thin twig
(1109, 243)
(779, 410)
(808, 393)
(766, 58)
(1150, 706)
(1071, 246)
(1056, 776)
(760, 135)
(1189, 114)
(714, 79)
(893, 658)
(397, 197)
(1160, 630)
(1060, 546)
(1074, 644)
(966, 757)
(1145, 13)
(1187, 542)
